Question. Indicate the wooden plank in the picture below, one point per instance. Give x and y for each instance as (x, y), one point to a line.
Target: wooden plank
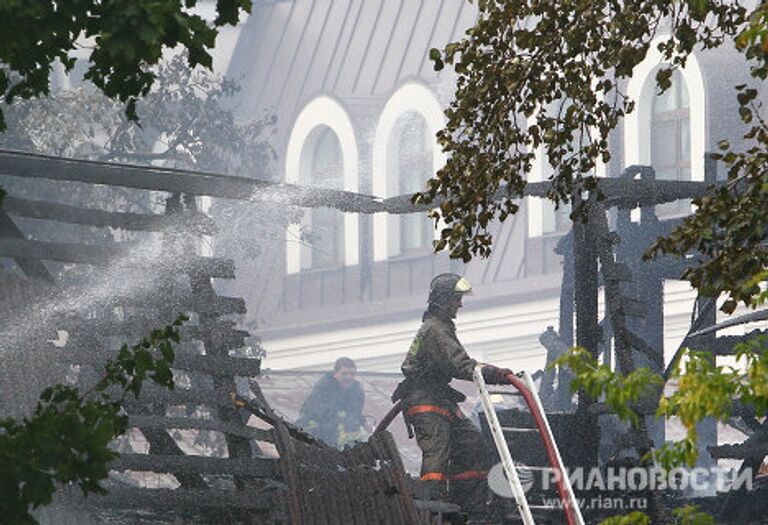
(180, 300)
(617, 272)
(384, 445)
(629, 193)
(632, 307)
(219, 365)
(218, 305)
(191, 221)
(208, 266)
(140, 325)
(285, 449)
(289, 472)
(108, 255)
(151, 396)
(750, 449)
(31, 266)
(182, 499)
(329, 494)
(216, 365)
(189, 423)
(62, 252)
(257, 467)
(622, 192)
(723, 345)
(32, 165)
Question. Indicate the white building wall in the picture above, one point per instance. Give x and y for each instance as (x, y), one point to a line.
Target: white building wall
(505, 335)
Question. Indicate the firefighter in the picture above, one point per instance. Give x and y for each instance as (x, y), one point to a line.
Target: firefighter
(333, 410)
(455, 455)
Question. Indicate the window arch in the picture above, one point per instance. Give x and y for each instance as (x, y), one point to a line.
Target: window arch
(638, 125)
(412, 166)
(322, 151)
(671, 139)
(412, 114)
(322, 166)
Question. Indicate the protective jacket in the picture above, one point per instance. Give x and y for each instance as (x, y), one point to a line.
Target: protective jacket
(331, 413)
(453, 451)
(435, 358)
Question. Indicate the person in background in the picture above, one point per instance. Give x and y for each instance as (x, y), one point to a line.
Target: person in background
(333, 411)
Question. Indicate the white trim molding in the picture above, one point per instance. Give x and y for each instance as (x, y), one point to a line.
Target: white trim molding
(323, 111)
(637, 125)
(411, 97)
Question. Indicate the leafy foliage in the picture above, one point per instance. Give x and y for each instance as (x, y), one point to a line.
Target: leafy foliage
(703, 389)
(707, 390)
(687, 515)
(633, 518)
(599, 380)
(730, 226)
(126, 37)
(552, 74)
(66, 439)
(690, 515)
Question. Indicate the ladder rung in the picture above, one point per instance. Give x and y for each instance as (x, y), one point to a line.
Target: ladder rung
(502, 446)
(519, 429)
(504, 393)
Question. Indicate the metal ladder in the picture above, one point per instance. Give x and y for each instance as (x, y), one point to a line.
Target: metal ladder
(527, 389)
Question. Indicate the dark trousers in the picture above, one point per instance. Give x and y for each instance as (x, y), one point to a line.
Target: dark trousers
(455, 455)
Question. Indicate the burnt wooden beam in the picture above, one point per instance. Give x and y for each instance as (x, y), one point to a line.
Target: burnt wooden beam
(51, 211)
(31, 266)
(618, 272)
(639, 344)
(218, 304)
(32, 165)
(178, 300)
(139, 324)
(257, 467)
(749, 449)
(185, 499)
(646, 406)
(629, 193)
(752, 317)
(150, 397)
(104, 255)
(585, 271)
(216, 365)
(261, 409)
(219, 365)
(189, 423)
(723, 345)
(624, 193)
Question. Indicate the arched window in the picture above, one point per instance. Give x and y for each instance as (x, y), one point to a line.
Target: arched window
(412, 159)
(322, 151)
(671, 140)
(405, 156)
(324, 168)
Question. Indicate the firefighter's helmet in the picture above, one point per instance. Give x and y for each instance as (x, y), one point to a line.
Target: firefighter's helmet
(447, 286)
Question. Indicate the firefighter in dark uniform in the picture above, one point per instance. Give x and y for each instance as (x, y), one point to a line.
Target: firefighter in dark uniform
(455, 455)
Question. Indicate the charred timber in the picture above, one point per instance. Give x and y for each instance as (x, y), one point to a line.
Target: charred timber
(191, 221)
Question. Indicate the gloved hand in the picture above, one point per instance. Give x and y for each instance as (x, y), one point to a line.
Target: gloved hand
(493, 375)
